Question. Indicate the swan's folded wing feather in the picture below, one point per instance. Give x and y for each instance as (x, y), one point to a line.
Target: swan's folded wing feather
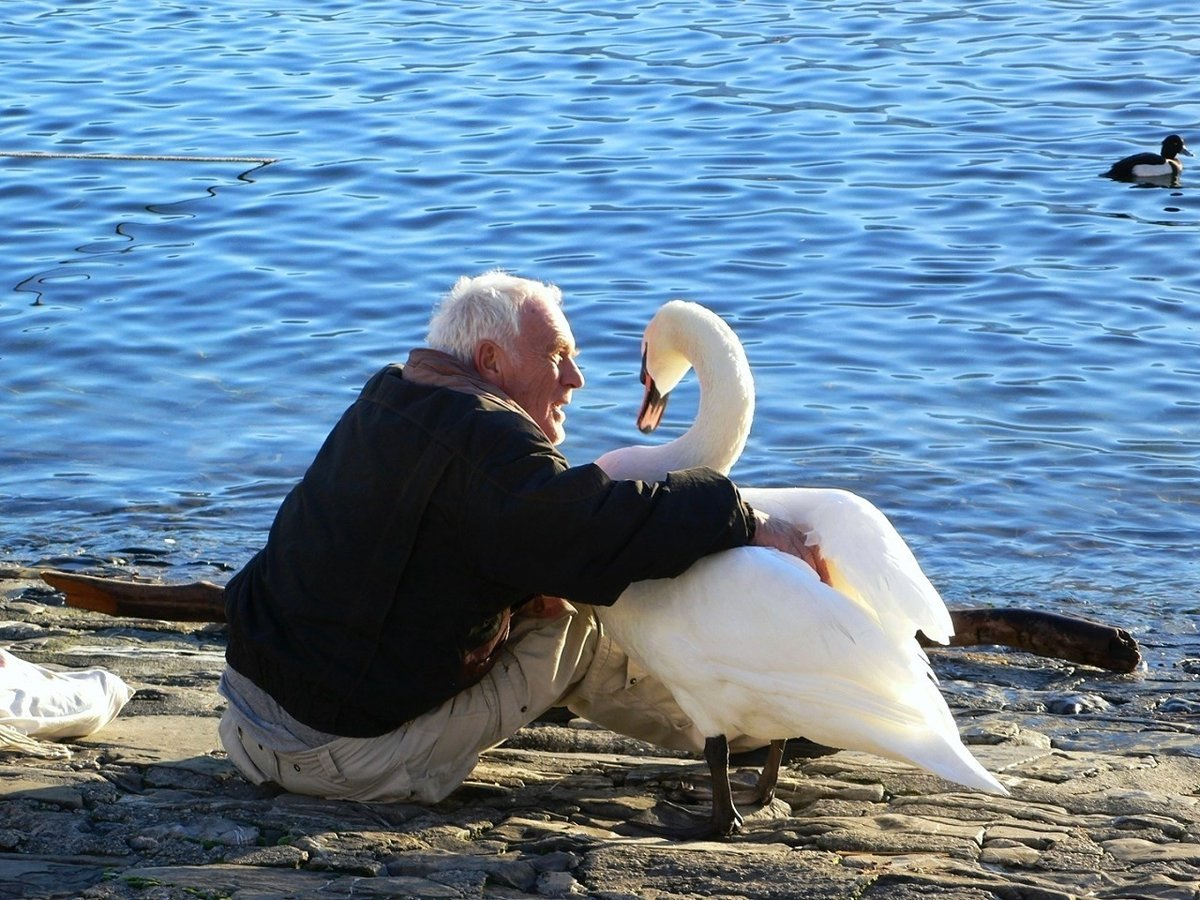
(750, 641)
(868, 555)
(756, 621)
(749, 605)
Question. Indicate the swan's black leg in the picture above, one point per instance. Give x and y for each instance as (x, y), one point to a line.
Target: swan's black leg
(725, 818)
(764, 790)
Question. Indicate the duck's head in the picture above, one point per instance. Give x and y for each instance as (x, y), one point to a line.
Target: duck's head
(1173, 145)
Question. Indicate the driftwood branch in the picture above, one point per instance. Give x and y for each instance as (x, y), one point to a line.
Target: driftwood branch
(1045, 634)
(199, 601)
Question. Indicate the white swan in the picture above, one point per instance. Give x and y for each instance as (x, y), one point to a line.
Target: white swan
(751, 641)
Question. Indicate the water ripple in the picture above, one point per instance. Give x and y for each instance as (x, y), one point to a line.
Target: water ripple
(896, 205)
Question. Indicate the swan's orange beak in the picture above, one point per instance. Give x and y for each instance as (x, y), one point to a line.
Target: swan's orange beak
(654, 404)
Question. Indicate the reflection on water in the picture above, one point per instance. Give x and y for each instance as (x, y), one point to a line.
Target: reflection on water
(898, 207)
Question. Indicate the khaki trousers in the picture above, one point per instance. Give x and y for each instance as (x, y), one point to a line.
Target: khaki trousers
(565, 660)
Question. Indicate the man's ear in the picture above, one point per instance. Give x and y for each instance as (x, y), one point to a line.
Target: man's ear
(489, 361)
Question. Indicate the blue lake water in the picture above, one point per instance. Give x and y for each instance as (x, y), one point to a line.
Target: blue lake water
(897, 206)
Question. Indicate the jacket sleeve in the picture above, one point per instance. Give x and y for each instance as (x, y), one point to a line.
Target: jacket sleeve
(539, 526)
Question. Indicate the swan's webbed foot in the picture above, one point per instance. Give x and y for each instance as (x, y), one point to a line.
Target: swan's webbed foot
(680, 823)
(724, 820)
(762, 792)
(768, 778)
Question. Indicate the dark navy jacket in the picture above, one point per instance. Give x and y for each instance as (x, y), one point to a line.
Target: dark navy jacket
(428, 513)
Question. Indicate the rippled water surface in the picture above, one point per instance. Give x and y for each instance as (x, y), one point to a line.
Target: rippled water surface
(897, 206)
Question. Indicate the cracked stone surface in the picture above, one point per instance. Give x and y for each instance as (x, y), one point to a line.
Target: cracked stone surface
(1104, 772)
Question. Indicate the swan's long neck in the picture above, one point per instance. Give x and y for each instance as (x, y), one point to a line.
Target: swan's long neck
(726, 410)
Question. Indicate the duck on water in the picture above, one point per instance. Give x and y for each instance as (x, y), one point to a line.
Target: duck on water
(1151, 165)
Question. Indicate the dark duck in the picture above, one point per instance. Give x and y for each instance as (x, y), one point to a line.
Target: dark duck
(1152, 165)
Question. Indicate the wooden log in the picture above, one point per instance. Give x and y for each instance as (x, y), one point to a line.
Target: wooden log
(199, 601)
(1045, 634)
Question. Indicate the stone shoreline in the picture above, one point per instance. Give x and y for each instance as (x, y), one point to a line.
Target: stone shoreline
(1104, 772)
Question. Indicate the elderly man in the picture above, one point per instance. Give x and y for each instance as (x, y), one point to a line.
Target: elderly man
(402, 617)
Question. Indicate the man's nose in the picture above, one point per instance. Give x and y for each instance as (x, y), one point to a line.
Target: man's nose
(572, 375)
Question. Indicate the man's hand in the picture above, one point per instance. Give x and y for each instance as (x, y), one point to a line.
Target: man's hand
(542, 607)
(788, 538)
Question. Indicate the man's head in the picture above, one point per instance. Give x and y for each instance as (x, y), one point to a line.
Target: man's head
(513, 332)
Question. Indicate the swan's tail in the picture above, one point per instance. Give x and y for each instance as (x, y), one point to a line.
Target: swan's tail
(954, 762)
(916, 729)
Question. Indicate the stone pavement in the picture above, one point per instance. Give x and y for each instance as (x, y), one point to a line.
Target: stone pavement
(1104, 772)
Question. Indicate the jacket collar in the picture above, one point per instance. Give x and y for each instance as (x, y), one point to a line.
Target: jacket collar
(433, 368)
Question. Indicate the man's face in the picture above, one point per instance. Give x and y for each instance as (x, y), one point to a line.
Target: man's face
(539, 371)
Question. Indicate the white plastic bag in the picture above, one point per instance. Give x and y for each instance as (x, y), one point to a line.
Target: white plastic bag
(36, 702)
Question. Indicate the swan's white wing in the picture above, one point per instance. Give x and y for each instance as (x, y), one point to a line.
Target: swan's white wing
(751, 641)
(869, 558)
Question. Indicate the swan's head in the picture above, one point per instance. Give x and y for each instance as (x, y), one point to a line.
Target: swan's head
(678, 334)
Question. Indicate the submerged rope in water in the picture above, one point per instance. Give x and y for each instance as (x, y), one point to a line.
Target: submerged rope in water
(136, 157)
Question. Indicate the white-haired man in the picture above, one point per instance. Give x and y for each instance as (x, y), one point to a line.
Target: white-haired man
(403, 614)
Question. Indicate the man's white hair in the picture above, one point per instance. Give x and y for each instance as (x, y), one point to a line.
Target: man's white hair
(483, 307)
